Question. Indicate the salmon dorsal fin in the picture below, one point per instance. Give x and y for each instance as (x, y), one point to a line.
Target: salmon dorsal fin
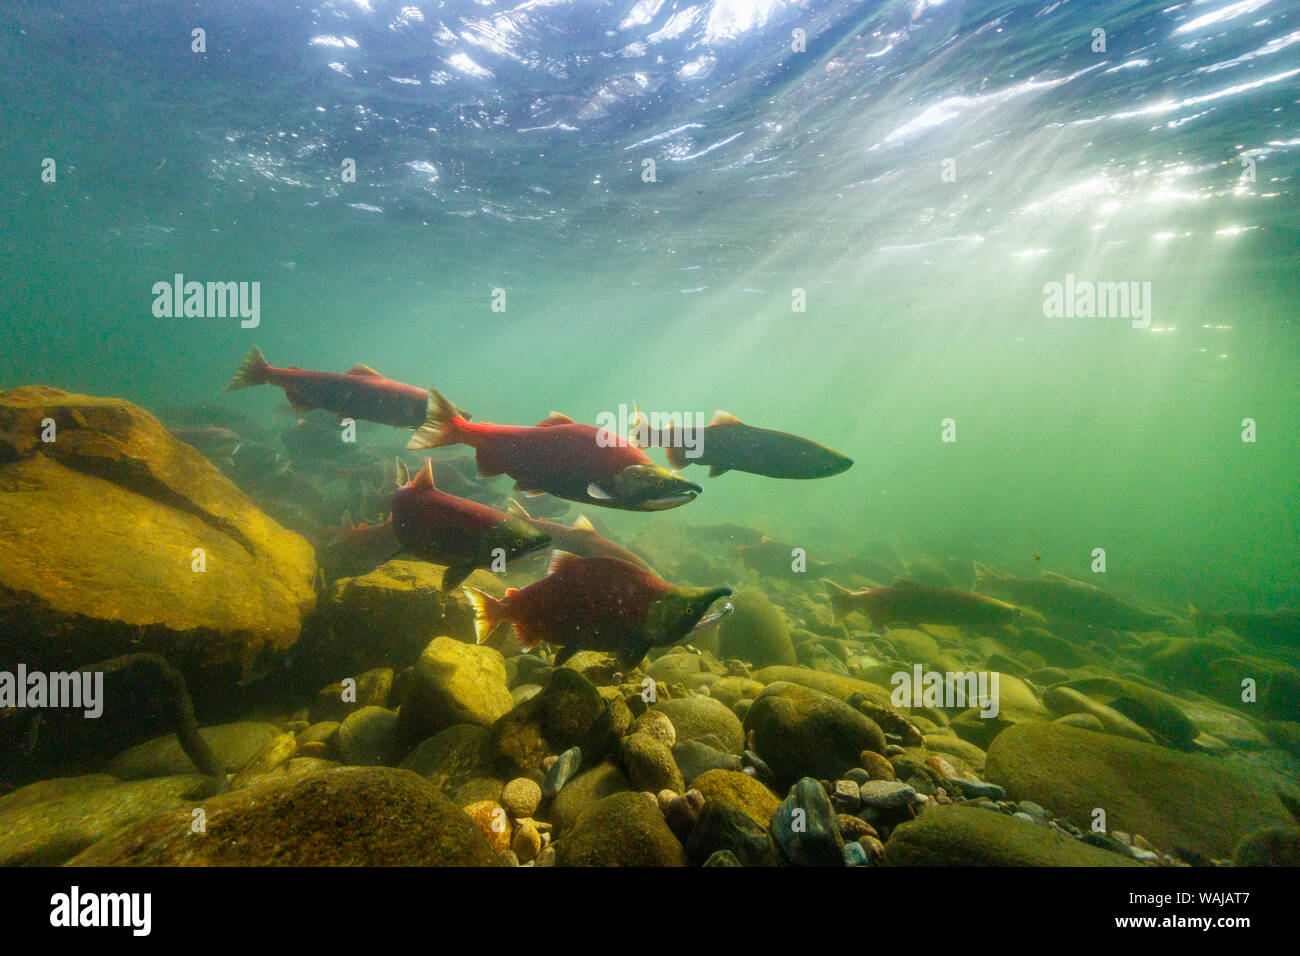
(403, 473)
(582, 524)
(907, 583)
(515, 508)
(638, 433)
(424, 477)
(360, 369)
(555, 418)
(561, 560)
(724, 418)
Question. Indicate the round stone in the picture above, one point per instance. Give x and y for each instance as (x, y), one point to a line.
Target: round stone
(521, 798)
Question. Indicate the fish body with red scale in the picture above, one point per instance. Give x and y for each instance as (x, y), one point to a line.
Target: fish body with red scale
(558, 456)
(360, 393)
(598, 604)
(461, 534)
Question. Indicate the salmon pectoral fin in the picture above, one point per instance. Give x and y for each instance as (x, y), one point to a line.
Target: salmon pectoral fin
(529, 639)
(297, 404)
(677, 459)
(455, 574)
(630, 657)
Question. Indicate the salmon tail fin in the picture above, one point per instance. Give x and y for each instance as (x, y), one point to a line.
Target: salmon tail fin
(838, 598)
(487, 612)
(983, 575)
(677, 459)
(253, 371)
(439, 426)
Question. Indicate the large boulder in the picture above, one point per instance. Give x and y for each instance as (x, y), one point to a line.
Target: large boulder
(98, 534)
(971, 836)
(452, 683)
(458, 761)
(48, 823)
(351, 816)
(837, 685)
(1172, 799)
(739, 790)
(625, 829)
(568, 712)
(234, 745)
(756, 632)
(387, 616)
(585, 790)
(699, 716)
(801, 732)
(1158, 712)
(1017, 704)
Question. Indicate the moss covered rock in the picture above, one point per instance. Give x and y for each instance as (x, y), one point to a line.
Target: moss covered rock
(837, 685)
(625, 829)
(586, 789)
(971, 836)
(756, 632)
(650, 764)
(1276, 846)
(453, 683)
(1067, 701)
(98, 533)
(48, 823)
(801, 732)
(568, 712)
(453, 759)
(351, 816)
(699, 716)
(1158, 712)
(234, 745)
(369, 689)
(741, 790)
(1173, 799)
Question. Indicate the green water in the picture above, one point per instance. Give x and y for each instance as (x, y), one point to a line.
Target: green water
(853, 243)
(924, 297)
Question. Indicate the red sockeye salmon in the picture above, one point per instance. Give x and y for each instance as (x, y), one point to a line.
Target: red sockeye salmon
(598, 604)
(560, 457)
(360, 393)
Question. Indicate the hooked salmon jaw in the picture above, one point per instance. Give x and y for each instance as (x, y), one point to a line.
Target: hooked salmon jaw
(647, 487)
(673, 501)
(712, 619)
